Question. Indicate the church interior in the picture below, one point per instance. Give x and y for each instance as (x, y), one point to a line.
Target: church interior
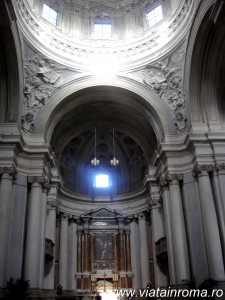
(112, 146)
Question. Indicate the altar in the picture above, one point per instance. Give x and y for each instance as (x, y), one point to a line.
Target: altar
(104, 280)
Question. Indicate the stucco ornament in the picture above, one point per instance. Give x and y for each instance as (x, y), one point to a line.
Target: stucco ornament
(41, 79)
(166, 79)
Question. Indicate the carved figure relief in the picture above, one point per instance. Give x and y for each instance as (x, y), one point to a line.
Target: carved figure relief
(165, 78)
(41, 80)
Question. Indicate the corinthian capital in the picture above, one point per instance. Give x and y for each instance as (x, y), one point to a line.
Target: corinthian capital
(176, 177)
(201, 170)
(164, 183)
(220, 168)
(38, 179)
(11, 171)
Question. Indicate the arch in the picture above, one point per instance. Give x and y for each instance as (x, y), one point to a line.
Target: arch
(10, 65)
(204, 65)
(64, 100)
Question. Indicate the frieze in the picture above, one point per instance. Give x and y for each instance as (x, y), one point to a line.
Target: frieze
(166, 79)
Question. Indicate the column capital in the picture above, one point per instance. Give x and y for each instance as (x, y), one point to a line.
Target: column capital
(174, 177)
(220, 168)
(141, 216)
(52, 204)
(33, 179)
(11, 171)
(121, 230)
(155, 201)
(164, 183)
(127, 231)
(45, 186)
(86, 230)
(64, 216)
(203, 170)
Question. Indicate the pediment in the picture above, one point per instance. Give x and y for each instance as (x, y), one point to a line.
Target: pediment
(103, 212)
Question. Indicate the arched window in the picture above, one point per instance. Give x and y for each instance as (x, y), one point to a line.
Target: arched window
(102, 27)
(155, 15)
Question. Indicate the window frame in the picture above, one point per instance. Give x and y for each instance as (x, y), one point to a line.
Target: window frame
(152, 11)
(47, 16)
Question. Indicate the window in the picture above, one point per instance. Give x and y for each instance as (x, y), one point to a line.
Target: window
(102, 31)
(154, 16)
(49, 14)
(102, 181)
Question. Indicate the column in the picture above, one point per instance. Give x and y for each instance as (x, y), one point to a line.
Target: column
(194, 226)
(5, 210)
(63, 252)
(144, 259)
(79, 259)
(122, 255)
(34, 238)
(128, 259)
(178, 230)
(158, 232)
(135, 254)
(86, 257)
(17, 228)
(218, 185)
(121, 243)
(210, 225)
(72, 253)
(168, 228)
(45, 189)
(50, 233)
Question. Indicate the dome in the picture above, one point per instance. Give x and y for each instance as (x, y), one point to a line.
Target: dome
(133, 34)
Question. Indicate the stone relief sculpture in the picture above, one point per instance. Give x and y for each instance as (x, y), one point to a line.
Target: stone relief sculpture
(27, 122)
(166, 79)
(41, 80)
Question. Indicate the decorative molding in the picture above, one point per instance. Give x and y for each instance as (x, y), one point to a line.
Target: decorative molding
(166, 79)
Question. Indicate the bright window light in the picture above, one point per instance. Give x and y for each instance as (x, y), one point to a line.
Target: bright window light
(49, 14)
(154, 16)
(102, 31)
(102, 181)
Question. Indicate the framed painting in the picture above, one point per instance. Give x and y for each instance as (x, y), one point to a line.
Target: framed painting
(103, 247)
